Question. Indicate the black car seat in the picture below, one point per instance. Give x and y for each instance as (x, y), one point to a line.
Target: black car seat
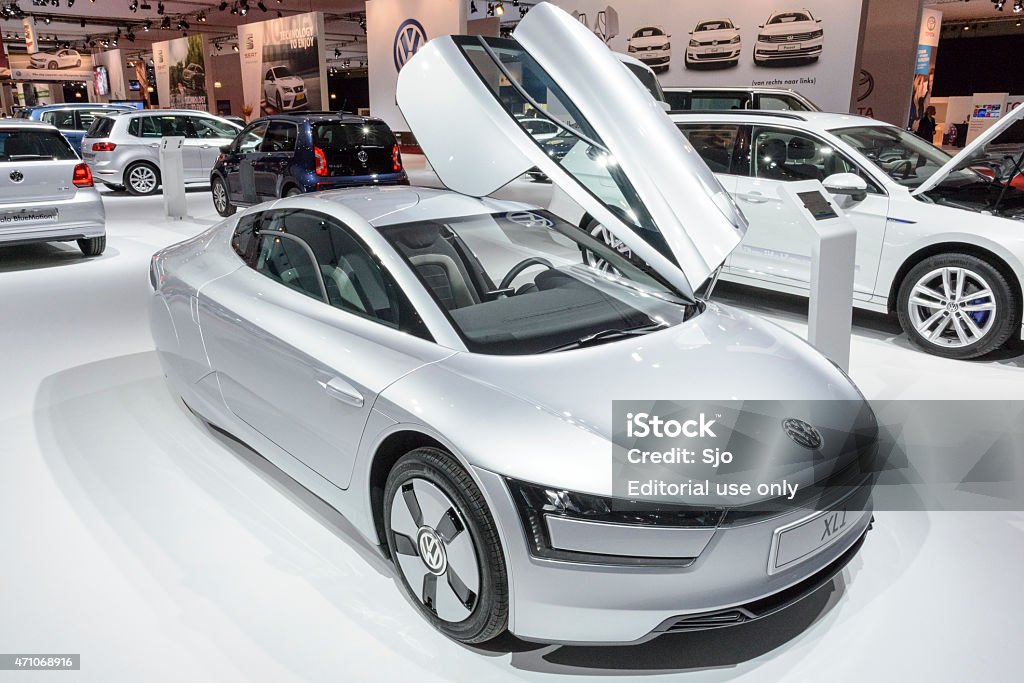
(771, 159)
(440, 265)
(800, 152)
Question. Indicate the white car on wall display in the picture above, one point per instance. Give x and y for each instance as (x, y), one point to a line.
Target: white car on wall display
(790, 36)
(62, 59)
(714, 42)
(283, 90)
(652, 46)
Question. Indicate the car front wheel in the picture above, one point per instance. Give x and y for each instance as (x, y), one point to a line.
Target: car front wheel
(957, 306)
(141, 178)
(221, 202)
(445, 546)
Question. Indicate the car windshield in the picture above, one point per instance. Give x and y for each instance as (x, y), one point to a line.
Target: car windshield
(714, 25)
(789, 18)
(282, 72)
(526, 282)
(648, 32)
(903, 156)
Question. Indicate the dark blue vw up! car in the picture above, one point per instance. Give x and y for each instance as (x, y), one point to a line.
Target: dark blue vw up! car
(288, 154)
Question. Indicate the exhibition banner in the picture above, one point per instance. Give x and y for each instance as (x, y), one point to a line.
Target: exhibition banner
(283, 65)
(59, 65)
(887, 61)
(395, 30)
(924, 66)
(181, 73)
(986, 110)
(810, 47)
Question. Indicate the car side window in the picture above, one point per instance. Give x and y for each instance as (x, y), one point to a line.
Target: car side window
(244, 241)
(719, 101)
(61, 118)
(160, 126)
(211, 128)
(716, 143)
(280, 137)
(251, 138)
(779, 103)
(269, 76)
(316, 254)
(789, 155)
(86, 117)
(677, 101)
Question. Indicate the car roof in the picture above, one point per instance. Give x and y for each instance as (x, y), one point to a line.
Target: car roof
(386, 206)
(730, 88)
(318, 116)
(819, 121)
(25, 123)
(81, 105)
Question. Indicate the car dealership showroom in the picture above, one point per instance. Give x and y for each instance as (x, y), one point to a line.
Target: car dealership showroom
(522, 340)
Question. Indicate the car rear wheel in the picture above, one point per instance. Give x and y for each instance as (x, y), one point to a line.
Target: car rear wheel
(957, 306)
(142, 178)
(445, 546)
(292, 191)
(93, 246)
(220, 198)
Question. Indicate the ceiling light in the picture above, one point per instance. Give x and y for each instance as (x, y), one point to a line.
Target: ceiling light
(261, 5)
(243, 9)
(166, 23)
(499, 9)
(235, 47)
(146, 26)
(160, 7)
(133, 6)
(472, 6)
(222, 6)
(47, 20)
(201, 18)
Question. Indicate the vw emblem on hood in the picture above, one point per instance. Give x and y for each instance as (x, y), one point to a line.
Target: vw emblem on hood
(802, 433)
(17, 176)
(362, 156)
(409, 38)
(431, 550)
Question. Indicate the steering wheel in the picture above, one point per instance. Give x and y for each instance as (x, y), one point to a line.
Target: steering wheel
(903, 168)
(518, 268)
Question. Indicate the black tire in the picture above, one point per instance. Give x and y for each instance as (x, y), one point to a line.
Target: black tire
(221, 200)
(93, 246)
(488, 618)
(141, 191)
(52, 65)
(1005, 317)
(291, 191)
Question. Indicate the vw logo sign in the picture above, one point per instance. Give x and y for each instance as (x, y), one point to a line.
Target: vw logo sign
(802, 433)
(17, 176)
(931, 23)
(528, 219)
(409, 38)
(431, 551)
(362, 156)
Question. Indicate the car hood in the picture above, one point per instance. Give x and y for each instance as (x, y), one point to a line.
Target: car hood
(548, 418)
(42, 56)
(648, 41)
(290, 81)
(792, 27)
(684, 239)
(973, 152)
(717, 34)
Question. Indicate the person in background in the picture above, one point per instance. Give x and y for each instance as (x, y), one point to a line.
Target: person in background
(926, 126)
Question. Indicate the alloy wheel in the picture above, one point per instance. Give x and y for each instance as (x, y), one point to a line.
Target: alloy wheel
(952, 307)
(605, 236)
(434, 550)
(220, 196)
(142, 179)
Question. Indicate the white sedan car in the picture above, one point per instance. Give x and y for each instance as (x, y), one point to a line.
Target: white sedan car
(714, 42)
(61, 59)
(938, 242)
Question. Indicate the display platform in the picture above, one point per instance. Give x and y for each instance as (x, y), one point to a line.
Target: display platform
(163, 551)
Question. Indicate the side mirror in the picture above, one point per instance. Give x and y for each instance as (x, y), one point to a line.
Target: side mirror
(848, 185)
(760, 26)
(665, 105)
(818, 20)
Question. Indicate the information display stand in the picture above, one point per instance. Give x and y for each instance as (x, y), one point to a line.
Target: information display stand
(172, 176)
(833, 260)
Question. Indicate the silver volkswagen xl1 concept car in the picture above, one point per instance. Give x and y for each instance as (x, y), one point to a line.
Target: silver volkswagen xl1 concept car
(440, 366)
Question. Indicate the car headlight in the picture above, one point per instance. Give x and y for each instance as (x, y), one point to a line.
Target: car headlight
(762, 38)
(694, 43)
(735, 40)
(631, 48)
(285, 88)
(538, 504)
(818, 34)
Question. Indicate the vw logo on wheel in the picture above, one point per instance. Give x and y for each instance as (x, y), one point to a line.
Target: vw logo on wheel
(362, 156)
(431, 551)
(17, 176)
(802, 433)
(409, 38)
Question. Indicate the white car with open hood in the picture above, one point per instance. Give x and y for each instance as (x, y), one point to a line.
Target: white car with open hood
(440, 366)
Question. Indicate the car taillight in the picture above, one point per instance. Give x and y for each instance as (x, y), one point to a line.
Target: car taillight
(321, 161)
(396, 158)
(82, 177)
(103, 146)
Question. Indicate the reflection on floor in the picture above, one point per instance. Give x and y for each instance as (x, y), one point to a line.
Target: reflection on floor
(162, 551)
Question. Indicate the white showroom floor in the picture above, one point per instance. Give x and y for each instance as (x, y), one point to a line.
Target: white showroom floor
(160, 551)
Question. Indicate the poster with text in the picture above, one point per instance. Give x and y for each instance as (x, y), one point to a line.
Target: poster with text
(57, 65)
(181, 73)
(808, 46)
(283, 69)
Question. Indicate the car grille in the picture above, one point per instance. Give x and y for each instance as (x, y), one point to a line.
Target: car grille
(763, 607)
(792, 37)
(715, 55)
(706, 43)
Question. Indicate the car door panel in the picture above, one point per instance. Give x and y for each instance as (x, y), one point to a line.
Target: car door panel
(302, 373)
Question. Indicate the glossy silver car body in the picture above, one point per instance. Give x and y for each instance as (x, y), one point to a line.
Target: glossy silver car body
(334, 399)
(39, 202)
(135, 159)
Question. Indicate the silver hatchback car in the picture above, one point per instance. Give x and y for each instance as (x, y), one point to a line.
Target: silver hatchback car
(46, 191)
(124, 149)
